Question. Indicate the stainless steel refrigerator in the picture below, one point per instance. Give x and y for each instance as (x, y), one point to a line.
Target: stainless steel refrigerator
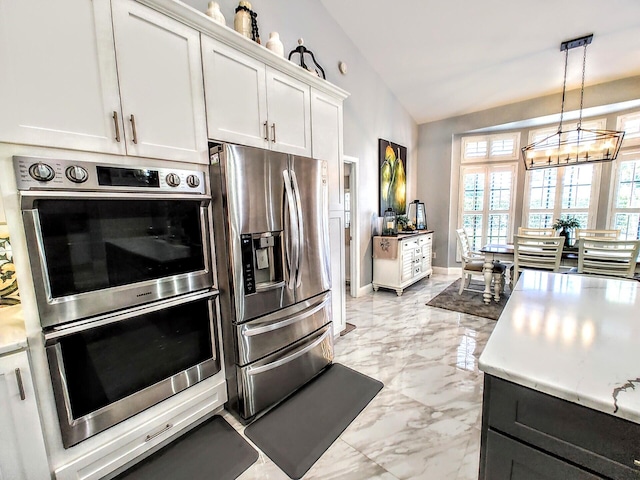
(270, 224)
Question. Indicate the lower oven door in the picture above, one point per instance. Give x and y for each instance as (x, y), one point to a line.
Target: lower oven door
(271, 379)
(113, 367)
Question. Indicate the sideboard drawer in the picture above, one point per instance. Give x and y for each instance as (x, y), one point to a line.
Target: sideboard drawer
(603, 443)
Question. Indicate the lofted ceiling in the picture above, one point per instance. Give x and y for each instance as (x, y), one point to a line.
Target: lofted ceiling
(447, 58)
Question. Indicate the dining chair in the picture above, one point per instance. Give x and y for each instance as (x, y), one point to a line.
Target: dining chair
(603, 256)
(473, 264)
(550, 232)
(589, 232)
(539, 252)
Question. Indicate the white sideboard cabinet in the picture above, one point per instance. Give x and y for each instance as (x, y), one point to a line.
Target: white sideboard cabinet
(22, 451)
(401, 261)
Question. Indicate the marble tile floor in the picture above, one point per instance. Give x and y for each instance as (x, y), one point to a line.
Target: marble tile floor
(425, 423)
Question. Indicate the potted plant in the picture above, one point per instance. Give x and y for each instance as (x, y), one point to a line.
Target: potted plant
(404, 224)
(566, 226)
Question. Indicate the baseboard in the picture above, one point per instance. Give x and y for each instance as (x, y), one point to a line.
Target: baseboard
(447, 270)
(364, 290)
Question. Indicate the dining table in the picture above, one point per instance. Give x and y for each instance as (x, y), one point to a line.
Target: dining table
(504, 252)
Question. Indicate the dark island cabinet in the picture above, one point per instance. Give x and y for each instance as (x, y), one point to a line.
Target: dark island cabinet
(529, 435)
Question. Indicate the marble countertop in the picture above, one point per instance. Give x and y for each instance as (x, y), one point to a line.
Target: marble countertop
(13, 336)
(574, 337)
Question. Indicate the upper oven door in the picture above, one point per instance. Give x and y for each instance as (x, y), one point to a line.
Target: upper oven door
(94, 253)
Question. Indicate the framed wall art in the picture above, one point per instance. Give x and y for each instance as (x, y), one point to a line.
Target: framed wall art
(393, 176)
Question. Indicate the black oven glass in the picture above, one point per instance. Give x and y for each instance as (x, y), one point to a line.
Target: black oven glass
(108, 363)
(96, 244)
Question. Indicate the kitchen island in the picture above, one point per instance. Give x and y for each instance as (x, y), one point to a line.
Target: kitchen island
(562, 381)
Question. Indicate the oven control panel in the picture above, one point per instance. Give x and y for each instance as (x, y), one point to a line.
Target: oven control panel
(53, 174)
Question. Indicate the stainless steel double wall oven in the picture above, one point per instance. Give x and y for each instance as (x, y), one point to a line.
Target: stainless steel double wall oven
(121, 262)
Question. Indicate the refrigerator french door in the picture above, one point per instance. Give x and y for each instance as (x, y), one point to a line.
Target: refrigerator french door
(271, 232)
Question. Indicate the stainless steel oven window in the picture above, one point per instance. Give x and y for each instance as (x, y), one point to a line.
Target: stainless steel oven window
(91, 253)
(110, 369)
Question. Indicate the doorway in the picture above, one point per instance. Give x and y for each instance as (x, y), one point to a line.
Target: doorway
(351, 225)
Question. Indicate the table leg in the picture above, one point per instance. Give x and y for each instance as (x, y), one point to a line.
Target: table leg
(487, 270)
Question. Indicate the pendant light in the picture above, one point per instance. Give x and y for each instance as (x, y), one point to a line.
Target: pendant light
(575, 146)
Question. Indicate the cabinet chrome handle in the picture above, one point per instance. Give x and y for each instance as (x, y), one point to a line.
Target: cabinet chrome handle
(266, 131)
(636, 463)
(154, 435)
(273, 132)
(133, 129)
(20, 384)
(117, 125)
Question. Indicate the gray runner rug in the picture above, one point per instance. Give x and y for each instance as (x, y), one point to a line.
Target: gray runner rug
(211, 451)
(298, 431)
(469, 302)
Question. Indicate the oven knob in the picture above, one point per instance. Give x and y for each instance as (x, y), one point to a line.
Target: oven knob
(173, 180)
(41, 172)
(193, 181)
(76, 174)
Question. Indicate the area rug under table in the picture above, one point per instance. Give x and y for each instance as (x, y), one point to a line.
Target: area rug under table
(211, 451)
(296, 433)
(469, 302)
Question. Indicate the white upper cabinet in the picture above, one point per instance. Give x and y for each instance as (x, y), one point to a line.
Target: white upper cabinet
(289, 108)
(160, 75)
(63, 81)
(253, 104)
(326, 125)
(236, 96)
(59, 85)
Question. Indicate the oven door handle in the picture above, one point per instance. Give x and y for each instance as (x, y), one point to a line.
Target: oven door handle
(83, 325)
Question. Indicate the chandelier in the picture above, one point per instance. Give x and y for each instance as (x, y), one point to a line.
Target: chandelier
(574, 146)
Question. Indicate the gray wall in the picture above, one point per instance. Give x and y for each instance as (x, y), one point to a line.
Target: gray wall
(439, 154)
(370, 112)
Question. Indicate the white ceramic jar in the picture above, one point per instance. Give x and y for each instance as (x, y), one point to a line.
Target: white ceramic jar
(274, 44)
(214, 12)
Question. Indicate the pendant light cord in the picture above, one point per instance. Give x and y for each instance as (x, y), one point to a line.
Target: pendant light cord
(564, 88)
(584, 67)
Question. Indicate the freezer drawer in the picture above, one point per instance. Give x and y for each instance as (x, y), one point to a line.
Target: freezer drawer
(267, 381)
(265, 335)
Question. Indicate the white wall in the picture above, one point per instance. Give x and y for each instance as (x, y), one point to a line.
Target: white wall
(371, 111)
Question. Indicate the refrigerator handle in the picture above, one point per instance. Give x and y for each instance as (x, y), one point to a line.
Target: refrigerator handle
(296, 191)
(292, 235)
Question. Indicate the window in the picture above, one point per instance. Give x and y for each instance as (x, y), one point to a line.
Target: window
(487, 194)
(481, 148)
(562, 192)
(626, 201)
(630, 123)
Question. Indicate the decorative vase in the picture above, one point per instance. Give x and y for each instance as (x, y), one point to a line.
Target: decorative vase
(274, 44)
(242, 20)
(214, 12)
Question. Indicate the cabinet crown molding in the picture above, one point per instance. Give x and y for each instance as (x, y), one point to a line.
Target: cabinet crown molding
(201, 22)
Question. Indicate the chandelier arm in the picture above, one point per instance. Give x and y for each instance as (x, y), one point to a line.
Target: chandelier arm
(564, 88)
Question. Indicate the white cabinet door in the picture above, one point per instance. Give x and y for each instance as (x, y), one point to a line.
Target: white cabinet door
(22, 451)
(236, 96)
(326, 125)
(252, 104)
(289, 112)
(338, 286)
(160, 76)
(58, 85)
